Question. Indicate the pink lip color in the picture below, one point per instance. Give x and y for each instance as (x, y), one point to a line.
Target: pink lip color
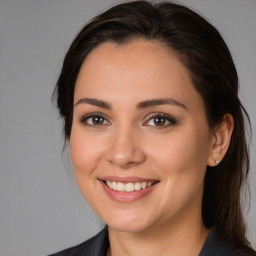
(125, 196)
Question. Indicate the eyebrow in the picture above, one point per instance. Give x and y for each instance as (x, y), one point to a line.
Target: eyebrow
(94, 102)
(140, 105)
(157, 102)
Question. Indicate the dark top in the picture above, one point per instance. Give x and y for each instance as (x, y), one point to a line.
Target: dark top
(98, 246)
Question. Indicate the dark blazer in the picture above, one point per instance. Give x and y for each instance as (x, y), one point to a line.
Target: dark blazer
(98, 246)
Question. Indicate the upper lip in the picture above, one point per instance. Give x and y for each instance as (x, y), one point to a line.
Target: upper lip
(131, 179)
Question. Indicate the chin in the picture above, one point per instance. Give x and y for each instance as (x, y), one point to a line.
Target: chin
(130, 224)
(128, 227)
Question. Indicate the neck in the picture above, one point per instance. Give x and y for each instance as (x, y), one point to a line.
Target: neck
(163, 239)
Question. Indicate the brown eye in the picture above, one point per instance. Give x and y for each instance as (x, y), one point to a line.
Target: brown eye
(97, 120)
(94, 120)
(159, 121)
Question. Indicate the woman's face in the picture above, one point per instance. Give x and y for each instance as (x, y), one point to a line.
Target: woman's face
(140, 142)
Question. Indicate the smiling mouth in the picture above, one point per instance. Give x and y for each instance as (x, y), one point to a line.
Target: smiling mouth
(128, 187)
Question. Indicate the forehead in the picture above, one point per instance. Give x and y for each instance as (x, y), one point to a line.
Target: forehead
(138, 57)
(140, 70)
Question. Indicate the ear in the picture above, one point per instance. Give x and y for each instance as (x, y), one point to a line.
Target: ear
(221, 140)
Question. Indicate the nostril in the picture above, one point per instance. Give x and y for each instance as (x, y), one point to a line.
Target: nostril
(123, 164)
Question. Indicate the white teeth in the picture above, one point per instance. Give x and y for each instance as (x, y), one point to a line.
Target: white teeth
(128, 187)
(113, 185)
(144, 185)
(109, 184)
(137, 186)
(149, 184)
(120, 187)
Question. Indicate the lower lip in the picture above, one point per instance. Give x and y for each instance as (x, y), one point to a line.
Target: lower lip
(126, 196)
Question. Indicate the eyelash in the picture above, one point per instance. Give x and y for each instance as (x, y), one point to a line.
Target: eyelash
(171, 120)
(84, 119)
(165, 118)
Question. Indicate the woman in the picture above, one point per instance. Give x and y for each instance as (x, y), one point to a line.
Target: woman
(148, 94)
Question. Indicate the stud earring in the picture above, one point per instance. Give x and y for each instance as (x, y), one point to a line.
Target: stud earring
(217, 162)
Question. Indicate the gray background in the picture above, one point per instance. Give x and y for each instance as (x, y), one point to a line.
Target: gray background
(41, 210)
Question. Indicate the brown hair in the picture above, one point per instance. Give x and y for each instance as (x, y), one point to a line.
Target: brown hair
(203, 51)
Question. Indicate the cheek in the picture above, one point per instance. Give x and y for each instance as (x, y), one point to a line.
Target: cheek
(85, 154)
(181, 164)
(85, 150)
(182, 157)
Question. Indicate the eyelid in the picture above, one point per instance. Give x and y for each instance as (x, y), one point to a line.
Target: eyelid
(169, 118)
(93, 114)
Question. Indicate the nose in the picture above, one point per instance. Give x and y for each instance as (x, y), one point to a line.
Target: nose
(125, 149)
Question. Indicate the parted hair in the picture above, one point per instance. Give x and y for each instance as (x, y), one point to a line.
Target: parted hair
(201, 48)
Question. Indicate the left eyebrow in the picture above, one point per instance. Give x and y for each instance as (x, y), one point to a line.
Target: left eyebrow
(94, 102)
(157, 102)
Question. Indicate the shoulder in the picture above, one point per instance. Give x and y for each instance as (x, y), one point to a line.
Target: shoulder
(95, 246)
(216, 245)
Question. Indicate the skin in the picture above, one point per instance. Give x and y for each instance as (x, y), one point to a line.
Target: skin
(128, 142)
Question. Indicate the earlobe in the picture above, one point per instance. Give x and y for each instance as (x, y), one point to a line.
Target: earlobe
(221, 140)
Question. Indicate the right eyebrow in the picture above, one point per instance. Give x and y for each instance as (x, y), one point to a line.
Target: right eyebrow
(94, 102)
(157, 102)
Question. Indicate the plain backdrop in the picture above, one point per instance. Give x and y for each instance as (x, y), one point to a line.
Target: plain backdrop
(41, 210)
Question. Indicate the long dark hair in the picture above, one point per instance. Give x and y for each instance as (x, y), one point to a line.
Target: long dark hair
(203, 51)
